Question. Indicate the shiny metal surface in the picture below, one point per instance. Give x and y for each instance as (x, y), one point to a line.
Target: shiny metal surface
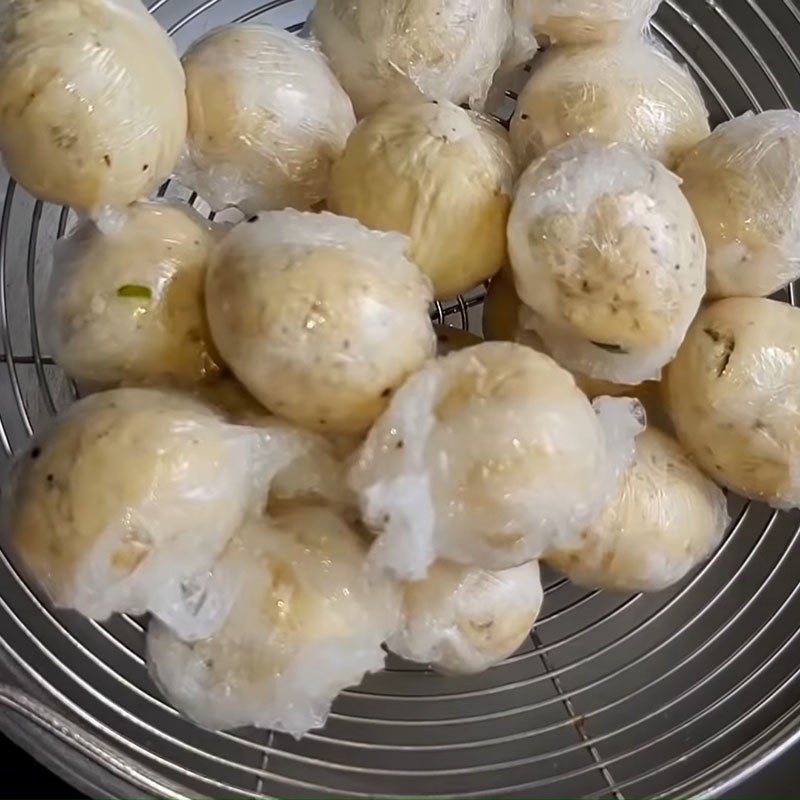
(679, 694)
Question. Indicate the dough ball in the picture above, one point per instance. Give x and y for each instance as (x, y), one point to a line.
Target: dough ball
(320, 318)
(488, 457)
(587, 21)
(627, 92)
(439, 174)
(306, 624)
(744, 185)
(450, 339)
(267, 118)
(732, 395)
(92, 101)
(129, 497)
(463, 620)
(128, 307)
(398, 51)
(608, 259)
(667, 518)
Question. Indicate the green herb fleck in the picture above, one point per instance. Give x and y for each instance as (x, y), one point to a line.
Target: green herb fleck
(133, 290)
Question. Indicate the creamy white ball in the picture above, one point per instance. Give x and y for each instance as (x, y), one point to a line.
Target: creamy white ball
(630, 91)
(586, 21)
(667, 519)
(399, 51)
(92, 101)
(306, 623)
(463, 620)
(267, 118)
(128, 307)
(732, 394)
(490, 457)
(743, 184)
(439, 174)
(131, 494)
(319, 317)
(608, 259)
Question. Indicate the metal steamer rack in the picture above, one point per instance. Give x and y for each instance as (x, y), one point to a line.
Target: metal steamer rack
(681, 694)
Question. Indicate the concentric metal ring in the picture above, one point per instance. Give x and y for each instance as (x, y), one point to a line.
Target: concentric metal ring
(675, 694)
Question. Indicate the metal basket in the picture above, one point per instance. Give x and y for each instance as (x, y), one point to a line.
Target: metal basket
(682, 693)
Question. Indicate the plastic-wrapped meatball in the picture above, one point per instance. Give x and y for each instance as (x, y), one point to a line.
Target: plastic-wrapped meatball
(490, 456)
(129, 497)
(667, 518)
(319, 317)
(128, 307)
(92, 100)
(463, 620)
(267, 118)
(623, 92)
(608, 258)
(732, 395)
(398, 51)
(439, 174)
(744, 185)
(586, 21)
(306, 624)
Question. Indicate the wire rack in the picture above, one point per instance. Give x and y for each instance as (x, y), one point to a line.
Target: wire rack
(678, 694)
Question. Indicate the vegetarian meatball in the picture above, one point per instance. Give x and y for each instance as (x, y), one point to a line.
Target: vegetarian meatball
(667, 518)
(630, 92)
(306, 624)
(319, 317)
(744, 186)
(92, 101)
(608, 259)
(398, 51)
(439, 174)
(463, 620)
(129, 497)
(489, 457)
(267, 118)
(732, 394)
(128, 307)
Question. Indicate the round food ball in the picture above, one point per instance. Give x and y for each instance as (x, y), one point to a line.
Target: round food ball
(490, 457)
(399, 51)
(463, 620)
(732, 395)
(127, 498)
(623, 92)
(92, 101)
(586, 21)
(320, 318)
(743, 186)
(267, 118)
(306, 624)
(128, 307)
(667, 518)
(439, 174)
(608, 258)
